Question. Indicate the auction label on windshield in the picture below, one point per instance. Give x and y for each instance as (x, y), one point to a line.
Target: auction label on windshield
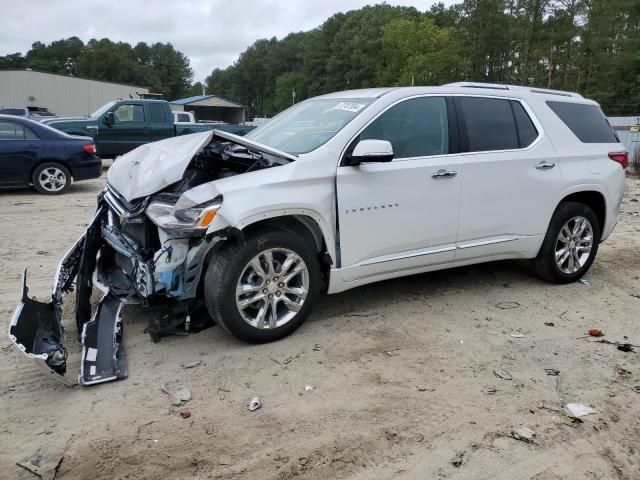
(349, 106)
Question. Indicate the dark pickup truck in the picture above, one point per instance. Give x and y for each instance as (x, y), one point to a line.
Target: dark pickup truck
(122, 125)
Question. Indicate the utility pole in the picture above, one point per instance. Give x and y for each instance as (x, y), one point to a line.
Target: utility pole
(293, 96)
(203, 92)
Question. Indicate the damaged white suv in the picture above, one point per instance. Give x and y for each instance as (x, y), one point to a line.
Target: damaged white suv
(336, 192)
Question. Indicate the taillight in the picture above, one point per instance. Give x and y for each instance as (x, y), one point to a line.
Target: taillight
(90, 149)
(621, 157)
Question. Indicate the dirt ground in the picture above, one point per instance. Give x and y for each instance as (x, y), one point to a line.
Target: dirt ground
(402, 376)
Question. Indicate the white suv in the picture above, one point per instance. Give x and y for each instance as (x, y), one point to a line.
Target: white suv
(336, 192)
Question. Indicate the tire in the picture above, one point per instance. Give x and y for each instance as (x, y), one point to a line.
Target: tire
(232, 267)
(51, 178)
(575, 265)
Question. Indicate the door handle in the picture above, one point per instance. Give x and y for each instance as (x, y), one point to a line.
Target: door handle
(545, 166)
(442, 173)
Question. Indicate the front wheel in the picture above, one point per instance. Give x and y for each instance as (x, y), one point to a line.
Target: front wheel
(263, 289)
(570, 245)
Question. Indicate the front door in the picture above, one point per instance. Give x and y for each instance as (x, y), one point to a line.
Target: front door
(512, 181)
(401, 215)
(129, 130)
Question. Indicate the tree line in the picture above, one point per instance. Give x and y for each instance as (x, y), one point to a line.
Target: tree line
(589, 46)
(159, 66)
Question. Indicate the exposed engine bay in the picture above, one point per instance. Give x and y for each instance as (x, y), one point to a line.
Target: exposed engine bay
(142, 250)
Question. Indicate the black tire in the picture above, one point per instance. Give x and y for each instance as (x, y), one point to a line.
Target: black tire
(54, 188)
(228, 264)
(545, 265)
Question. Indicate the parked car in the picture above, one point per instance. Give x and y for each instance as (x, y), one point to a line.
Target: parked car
(122, 125)
(338, 191)
(33, 153)
(183, 117)
(35, 113)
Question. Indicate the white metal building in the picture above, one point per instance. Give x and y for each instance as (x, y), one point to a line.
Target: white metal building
(63, 95)
(628, 130)
(211, 107)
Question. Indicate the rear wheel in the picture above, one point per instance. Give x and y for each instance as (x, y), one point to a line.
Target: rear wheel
(263, 289)
(570, 245)
(51, 178)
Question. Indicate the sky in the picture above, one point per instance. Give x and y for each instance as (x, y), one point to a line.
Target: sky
(211, 33)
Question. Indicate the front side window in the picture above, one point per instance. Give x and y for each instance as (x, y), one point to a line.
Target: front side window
(417, 127)
(489, 123)
(15, 131)
(129, 112)
(310, 124)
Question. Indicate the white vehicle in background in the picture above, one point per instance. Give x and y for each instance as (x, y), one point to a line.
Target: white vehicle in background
(338, 191)
(183, 117)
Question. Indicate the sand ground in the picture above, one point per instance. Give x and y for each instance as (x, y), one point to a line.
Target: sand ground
(402, 374)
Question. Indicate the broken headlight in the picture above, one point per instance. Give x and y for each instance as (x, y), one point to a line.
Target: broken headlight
(193, 220)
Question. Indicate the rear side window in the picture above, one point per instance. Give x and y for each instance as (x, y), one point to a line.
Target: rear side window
(158, 113)
(490, 124)
(417, 127)
(15, 131)
(527, 132)
(587, 122)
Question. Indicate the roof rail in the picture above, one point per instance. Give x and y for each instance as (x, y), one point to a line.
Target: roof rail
(561, 93)
(516, 88)
(492, 86)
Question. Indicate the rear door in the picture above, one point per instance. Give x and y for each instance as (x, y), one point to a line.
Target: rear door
(129, 130)
(19, 152)
(511, 180)
(402, 215)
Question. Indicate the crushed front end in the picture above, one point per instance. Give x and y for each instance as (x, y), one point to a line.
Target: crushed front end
(147, 246)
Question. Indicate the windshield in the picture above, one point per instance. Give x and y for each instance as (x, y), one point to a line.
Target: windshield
(103, 109)
(308, 125)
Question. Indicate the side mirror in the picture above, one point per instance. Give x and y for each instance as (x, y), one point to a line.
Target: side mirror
(109, 118)
(371, 151)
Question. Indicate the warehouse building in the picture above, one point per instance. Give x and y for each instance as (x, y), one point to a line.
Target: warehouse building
(211, 107)
(63, 95)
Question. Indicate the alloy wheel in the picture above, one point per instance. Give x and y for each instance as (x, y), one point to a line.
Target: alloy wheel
(52, 179)
(272, 288)
(574, 244)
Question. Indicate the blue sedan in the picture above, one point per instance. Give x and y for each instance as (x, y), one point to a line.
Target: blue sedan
(34, 154)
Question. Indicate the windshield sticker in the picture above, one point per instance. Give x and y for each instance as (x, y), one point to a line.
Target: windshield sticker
(349, 106)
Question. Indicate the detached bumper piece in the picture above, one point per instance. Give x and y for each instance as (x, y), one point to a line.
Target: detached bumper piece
(103, 357)
(36, 327)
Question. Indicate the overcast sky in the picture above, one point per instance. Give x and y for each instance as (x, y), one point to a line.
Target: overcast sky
(211, 33)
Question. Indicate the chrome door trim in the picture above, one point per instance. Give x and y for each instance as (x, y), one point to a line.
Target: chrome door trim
(409, 255)
(482, 243)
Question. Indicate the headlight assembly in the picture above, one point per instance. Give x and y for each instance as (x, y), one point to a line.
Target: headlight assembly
(193, 220)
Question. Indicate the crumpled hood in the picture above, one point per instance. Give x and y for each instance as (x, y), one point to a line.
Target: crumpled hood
(154, 166)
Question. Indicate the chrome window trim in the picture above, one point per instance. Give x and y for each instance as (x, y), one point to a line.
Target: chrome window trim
(527, 108)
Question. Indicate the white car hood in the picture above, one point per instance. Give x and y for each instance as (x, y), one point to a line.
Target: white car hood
(154, 166)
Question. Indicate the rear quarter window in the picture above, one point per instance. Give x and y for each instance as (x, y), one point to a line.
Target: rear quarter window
(587, 122)
(527, 131)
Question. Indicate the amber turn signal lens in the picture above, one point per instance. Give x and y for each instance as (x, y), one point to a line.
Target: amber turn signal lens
(207, 218)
